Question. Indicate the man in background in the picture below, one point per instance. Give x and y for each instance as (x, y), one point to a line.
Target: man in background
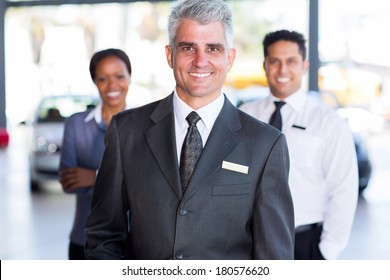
(323, 166)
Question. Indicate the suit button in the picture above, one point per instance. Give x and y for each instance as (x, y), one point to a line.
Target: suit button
(179, 255)
(183, 212)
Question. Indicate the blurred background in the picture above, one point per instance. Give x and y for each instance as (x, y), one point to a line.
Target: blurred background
(47, 52)
(47, 48)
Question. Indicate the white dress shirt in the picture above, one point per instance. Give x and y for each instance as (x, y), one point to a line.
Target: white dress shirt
(208, 115)
(323, 166)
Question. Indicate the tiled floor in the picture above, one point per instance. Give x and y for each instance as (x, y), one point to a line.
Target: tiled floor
(37, 226)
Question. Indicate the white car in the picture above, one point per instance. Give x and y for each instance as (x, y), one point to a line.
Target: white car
(46, 131)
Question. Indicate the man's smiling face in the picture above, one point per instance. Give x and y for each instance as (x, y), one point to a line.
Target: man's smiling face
(200, 61)
(284, 67)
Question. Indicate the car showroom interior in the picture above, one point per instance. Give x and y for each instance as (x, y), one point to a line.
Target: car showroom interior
(45, 48)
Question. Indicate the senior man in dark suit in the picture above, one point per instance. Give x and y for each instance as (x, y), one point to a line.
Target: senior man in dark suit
(190, 176)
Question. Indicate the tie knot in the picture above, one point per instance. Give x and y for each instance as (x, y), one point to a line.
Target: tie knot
(192, 118)
(279, 104)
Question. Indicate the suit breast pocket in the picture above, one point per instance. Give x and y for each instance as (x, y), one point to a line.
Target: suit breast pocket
(230, 190)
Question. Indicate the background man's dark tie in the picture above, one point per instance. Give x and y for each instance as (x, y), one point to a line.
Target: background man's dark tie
(276, 117)
(191, 150)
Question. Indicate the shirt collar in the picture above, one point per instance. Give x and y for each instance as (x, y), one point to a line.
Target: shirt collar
(96, 114)
(208, 113)
(296, 100)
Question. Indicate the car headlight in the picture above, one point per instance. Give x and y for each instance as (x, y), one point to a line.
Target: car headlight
(42, 145)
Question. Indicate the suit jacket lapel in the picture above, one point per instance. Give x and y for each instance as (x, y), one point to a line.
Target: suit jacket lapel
(162, 142)
(219, 145)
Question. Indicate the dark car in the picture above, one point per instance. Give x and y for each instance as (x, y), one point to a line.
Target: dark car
(364, 163)
(46, 132)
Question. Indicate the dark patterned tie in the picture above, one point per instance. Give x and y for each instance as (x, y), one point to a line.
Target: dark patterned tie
(191, 150)
(276, 117)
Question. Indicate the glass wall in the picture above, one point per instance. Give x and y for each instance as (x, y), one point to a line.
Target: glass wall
(48, 47)
(354, 52)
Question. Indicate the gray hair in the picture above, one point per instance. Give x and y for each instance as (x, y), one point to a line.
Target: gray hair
(203, 12)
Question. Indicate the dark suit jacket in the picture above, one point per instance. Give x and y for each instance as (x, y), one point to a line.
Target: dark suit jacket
(223, 214)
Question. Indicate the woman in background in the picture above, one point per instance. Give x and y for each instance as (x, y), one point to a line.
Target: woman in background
(83, 142)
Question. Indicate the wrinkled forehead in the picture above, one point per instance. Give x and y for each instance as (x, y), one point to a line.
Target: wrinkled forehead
(190, 31)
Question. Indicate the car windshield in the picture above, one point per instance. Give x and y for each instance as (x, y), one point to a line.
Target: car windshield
(57, 109)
